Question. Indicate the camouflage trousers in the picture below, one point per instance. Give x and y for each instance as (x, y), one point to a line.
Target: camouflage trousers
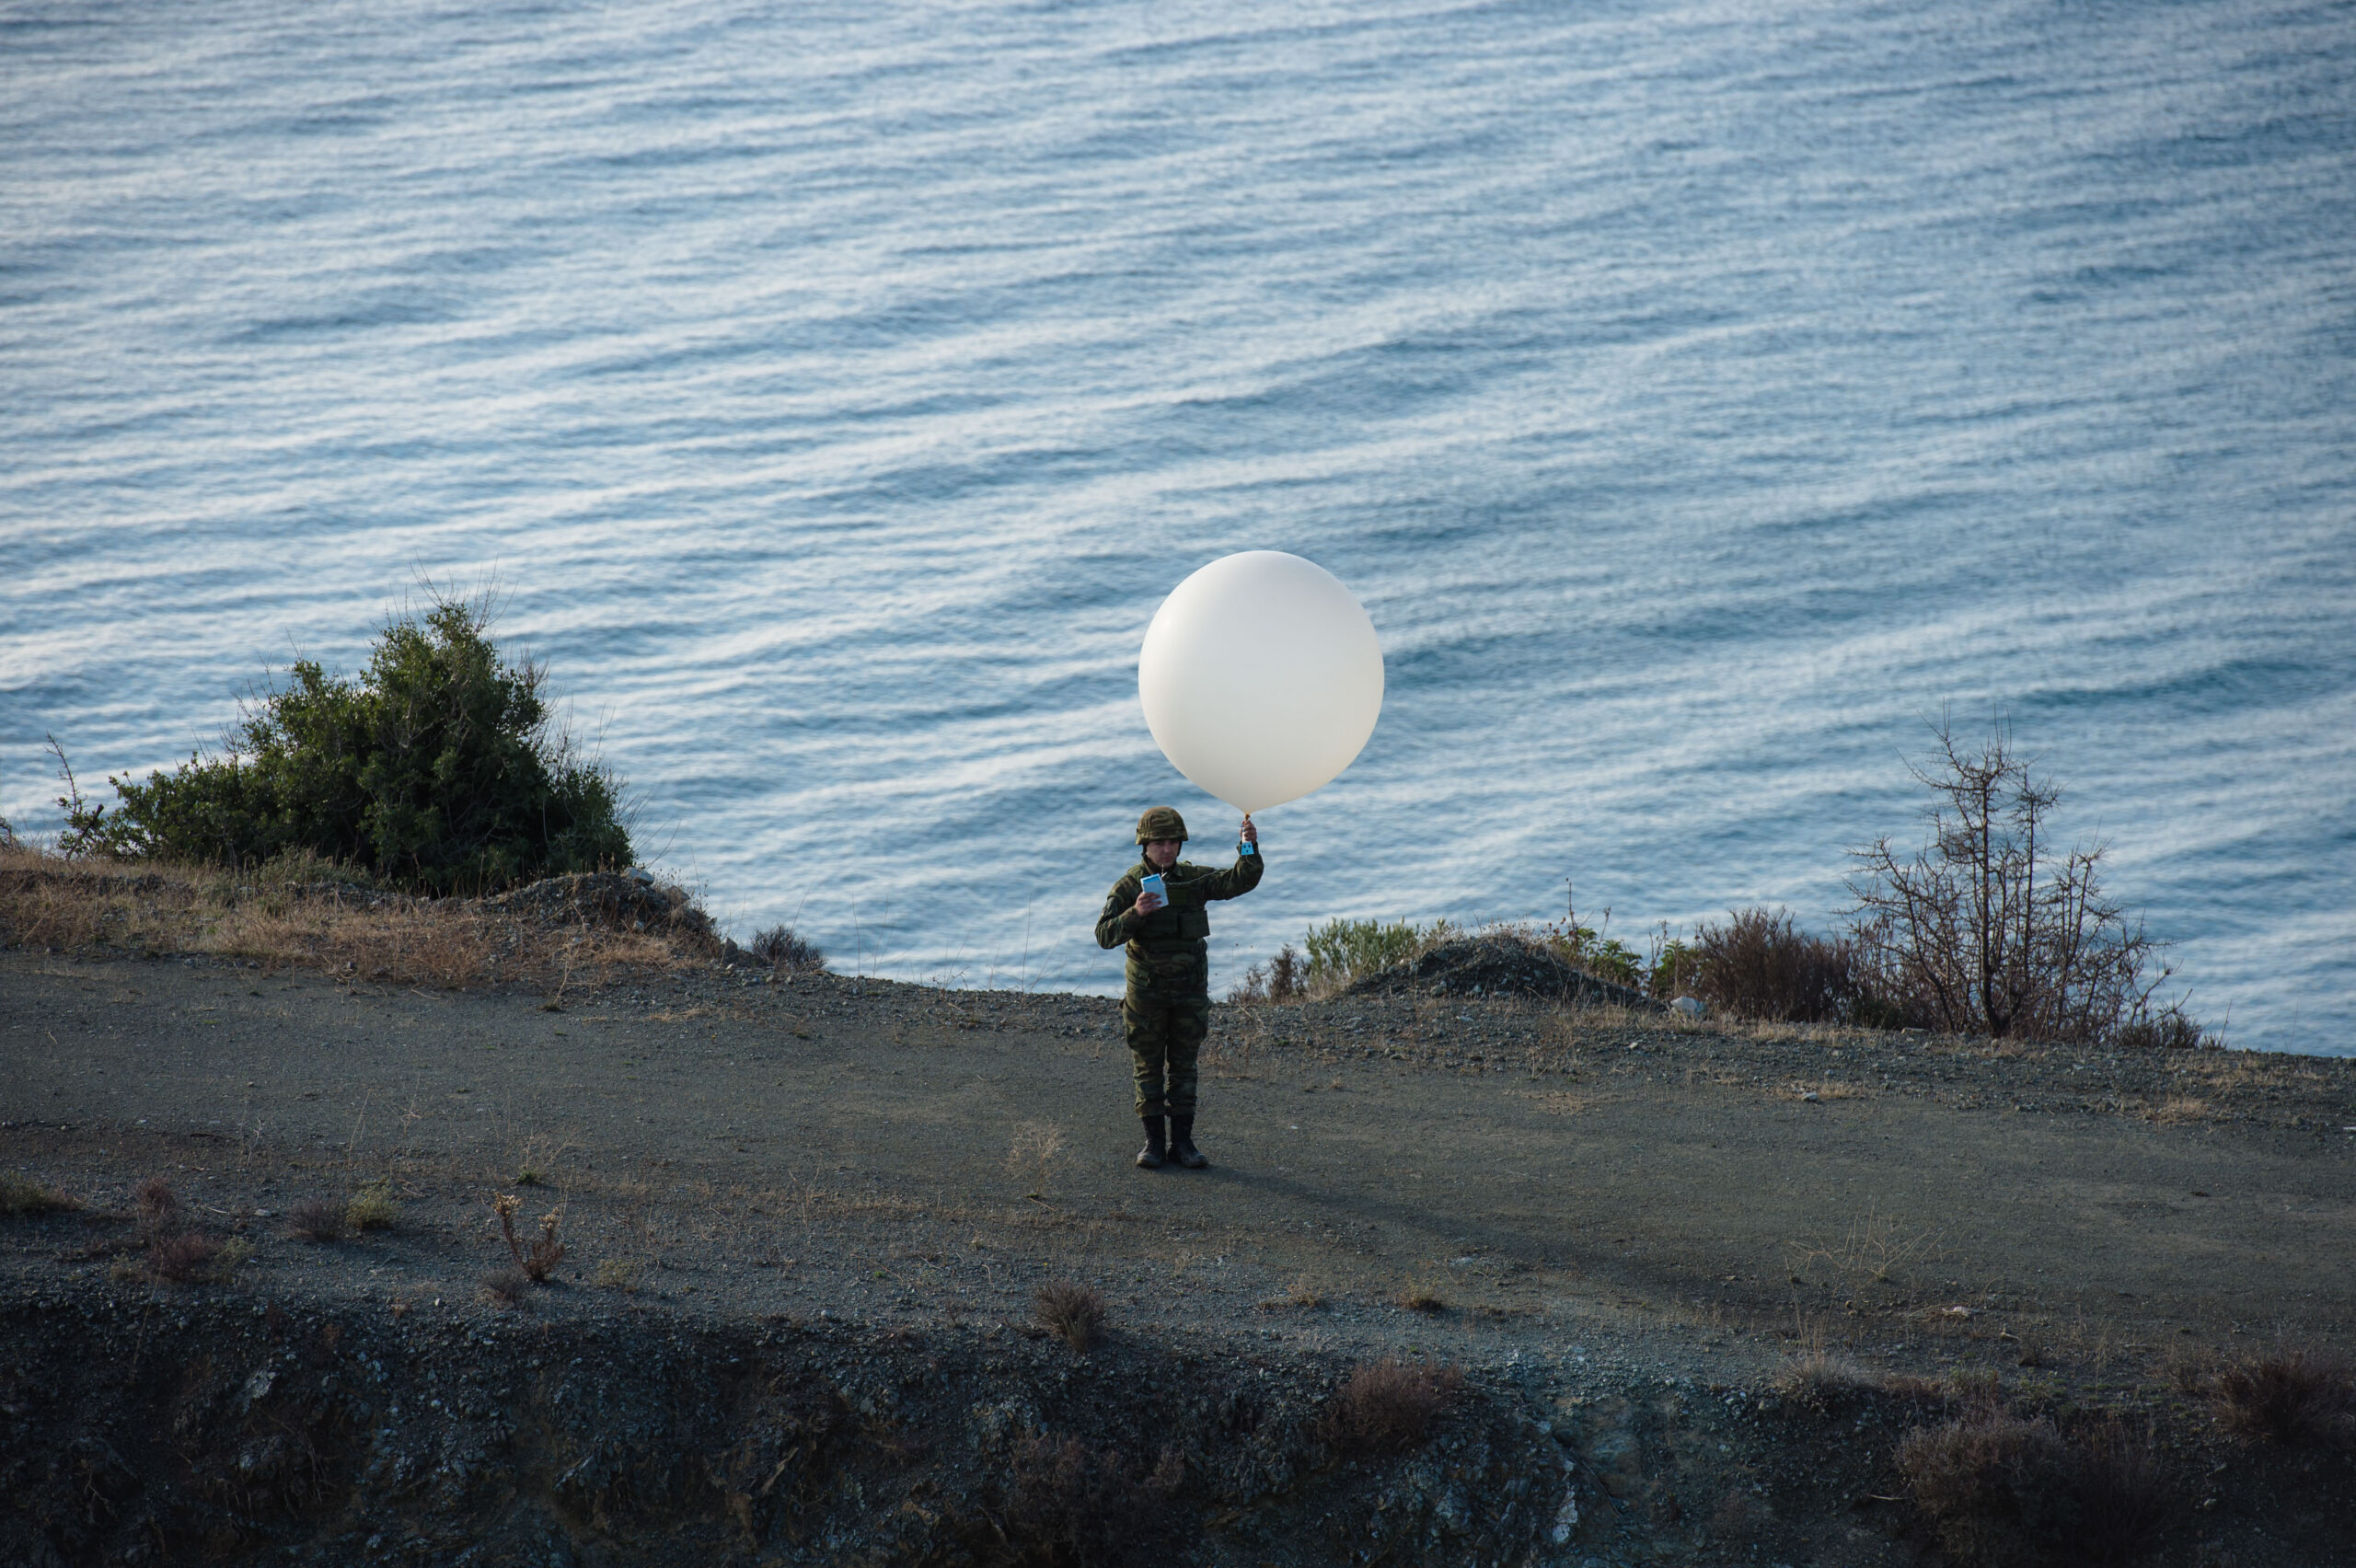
(1165, 1033)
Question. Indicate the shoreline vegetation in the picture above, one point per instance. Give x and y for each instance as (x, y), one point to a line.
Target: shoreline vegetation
(389, 821)
(1983, 929)
(591, 929)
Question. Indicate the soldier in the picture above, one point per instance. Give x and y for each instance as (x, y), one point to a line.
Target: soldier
(1167, 1009)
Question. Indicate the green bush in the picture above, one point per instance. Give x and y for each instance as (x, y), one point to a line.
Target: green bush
(438, 771)
(1675, 970)
(1606, 958)
(1341, 951)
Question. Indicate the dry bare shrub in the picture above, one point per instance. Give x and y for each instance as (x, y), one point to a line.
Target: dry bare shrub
(317, 1219)
(1077, 1508)
(1967, 1475)
(372, 1209)
(181, 1255)
(2294, 1398)
(785, 948)
(1760, 965)
(156, 1199)
(2120, 1495)
(504, 1288)
(156, 1211)
(2003, 1489)
(1389, 1405)
(1285, 979)
(1074, 1313)
(22, 1194)
(1988, 929)
(545, 1251)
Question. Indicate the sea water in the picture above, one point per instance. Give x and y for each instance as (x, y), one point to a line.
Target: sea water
(1702, 398)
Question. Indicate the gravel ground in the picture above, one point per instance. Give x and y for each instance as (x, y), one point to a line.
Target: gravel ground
(1626, 1229)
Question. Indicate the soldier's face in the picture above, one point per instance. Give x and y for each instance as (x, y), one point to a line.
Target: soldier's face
(1164, 852)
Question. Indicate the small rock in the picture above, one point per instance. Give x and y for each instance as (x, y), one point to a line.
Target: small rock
(1566, 1519)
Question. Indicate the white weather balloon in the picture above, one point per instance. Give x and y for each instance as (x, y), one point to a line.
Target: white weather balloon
(1261, 678)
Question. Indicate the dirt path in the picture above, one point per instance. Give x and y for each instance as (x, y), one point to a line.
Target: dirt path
(1529, 1180)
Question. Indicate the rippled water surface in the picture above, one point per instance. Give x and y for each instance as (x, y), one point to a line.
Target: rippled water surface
(1698, 396)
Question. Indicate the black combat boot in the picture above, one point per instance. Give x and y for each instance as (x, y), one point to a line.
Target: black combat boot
(1154, 1154)
(1181, 1144)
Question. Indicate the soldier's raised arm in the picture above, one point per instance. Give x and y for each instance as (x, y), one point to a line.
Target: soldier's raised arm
(1242, 877)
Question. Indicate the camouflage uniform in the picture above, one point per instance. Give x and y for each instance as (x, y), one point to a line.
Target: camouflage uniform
(1168, 1008)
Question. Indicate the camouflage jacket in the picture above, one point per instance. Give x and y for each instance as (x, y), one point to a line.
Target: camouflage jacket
(1167, 950)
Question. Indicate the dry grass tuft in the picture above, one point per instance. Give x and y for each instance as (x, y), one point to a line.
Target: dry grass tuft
(1421, 1298)
(1822, 1091)
(1302, 1297)
(2293, 1398)
(1566, 1103)
(1032, 1155)
(21, 1195)
(317, 1219)
(1823, 1382)
(615, 1273)
(372, 1209)
(2188, 1368)
(786, 949)
(181, 1255)
(2177, 1109)
(2003, 1489)
(309, 914)
(1389, 1405)
(1074, 1313)
(1916, 1389)
(159, 1206)
(505, 1287)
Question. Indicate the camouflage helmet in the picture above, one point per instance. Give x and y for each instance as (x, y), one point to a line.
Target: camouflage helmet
(1161, 822)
